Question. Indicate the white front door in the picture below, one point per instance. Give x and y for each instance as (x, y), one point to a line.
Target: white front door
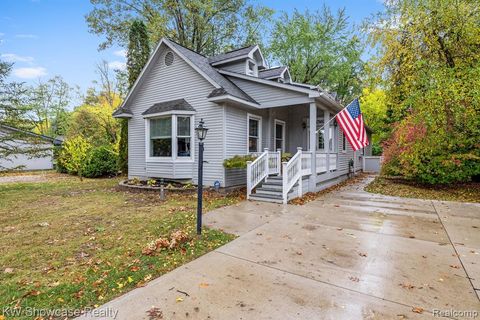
(279, 135)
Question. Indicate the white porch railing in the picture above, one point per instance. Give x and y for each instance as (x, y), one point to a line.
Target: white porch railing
(266, 163)
(322, 161)
(274, 162)
(306, 163)
(257, 170)
(292, 172)
(269, 163)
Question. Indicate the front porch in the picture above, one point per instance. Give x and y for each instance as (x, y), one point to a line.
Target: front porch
(317, 158)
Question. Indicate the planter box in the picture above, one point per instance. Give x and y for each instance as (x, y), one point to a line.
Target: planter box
(235, 177)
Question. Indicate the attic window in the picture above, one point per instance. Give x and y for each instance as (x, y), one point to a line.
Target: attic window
(169, 58)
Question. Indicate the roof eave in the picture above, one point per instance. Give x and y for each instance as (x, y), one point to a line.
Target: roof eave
(230, 98)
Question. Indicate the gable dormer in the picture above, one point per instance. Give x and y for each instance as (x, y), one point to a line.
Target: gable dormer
(248, 60)
(278, 74)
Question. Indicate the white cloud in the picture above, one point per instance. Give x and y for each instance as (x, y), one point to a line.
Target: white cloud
(121, 53)
(117, 65)
(26, 36)
(29, 73)
(12, 57)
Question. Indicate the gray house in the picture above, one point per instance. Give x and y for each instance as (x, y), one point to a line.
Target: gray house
(248, 108)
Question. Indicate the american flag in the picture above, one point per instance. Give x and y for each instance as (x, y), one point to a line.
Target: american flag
(351, 121)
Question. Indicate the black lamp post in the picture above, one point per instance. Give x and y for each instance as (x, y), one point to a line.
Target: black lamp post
(201, 134)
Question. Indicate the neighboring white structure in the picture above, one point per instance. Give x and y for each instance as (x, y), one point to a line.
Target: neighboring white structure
(25, 162)
(248, 108)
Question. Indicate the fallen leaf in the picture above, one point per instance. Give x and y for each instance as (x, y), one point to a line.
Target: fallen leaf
(362, 254)
(179, 299)
(203, 285)
(417, 309)
(354, 279)
(407, 286)
(154, 313)
(454, 266)
(134, 268)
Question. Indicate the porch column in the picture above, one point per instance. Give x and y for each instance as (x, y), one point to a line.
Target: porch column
(312, 181)
(269, 137)
(326, 140)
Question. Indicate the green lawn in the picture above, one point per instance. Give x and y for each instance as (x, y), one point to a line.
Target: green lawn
(465, 192)
(73, 244)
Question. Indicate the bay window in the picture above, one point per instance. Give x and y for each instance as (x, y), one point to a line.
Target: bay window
(169, 137)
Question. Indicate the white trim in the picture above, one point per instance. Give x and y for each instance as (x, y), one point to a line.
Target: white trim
(226, 97)
(260, 120)
(171, 112)
(312, 93)
(174, 137)
(149, 62)
(283, 124)
(286, 102)
(123, 115)
(254, 72)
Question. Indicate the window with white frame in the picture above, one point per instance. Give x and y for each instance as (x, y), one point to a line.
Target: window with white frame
(161, 137)
(184, 136)
(170, 136)
(254, 133)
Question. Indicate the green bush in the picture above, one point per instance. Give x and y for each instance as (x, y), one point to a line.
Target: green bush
(238, 162)
(73, 155)
(101, 161)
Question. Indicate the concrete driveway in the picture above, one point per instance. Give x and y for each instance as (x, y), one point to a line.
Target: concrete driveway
(348, 255)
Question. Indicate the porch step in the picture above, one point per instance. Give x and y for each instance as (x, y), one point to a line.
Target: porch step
(266, 197)
(271, 190)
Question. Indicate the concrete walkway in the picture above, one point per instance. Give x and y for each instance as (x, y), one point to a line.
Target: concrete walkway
(347, 255)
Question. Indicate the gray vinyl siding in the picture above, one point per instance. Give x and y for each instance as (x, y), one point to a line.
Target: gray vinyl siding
(263, 93)
(236, 130)
(164, 83)
(237, 66)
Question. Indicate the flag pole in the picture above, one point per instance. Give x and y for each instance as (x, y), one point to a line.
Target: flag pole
(334, 116)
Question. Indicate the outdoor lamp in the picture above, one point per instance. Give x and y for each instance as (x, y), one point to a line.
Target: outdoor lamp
(201, 134)
(201, 131)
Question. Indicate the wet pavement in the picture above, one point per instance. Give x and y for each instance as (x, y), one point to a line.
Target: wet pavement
(347, 255)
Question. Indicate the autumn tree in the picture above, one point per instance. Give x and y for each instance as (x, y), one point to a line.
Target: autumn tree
(430, 66)
(320, 48)
(205, 26)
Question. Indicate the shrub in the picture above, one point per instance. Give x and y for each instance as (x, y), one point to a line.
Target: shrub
(101, 161)
(238, 162)
(73, 155)
(428, 156)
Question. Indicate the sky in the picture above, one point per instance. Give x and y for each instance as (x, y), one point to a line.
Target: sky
(45, 38)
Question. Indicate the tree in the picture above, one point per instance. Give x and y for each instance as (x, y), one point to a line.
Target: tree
(14, 112)
(205, 26)
(95, 123)
(320, 49)
(374, 107)
(430, 65)
(48, 102)
(138, 51)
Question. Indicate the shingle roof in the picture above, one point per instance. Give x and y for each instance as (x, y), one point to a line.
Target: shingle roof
(203, 64)
(231, 54)
(121, 110)
(274, 72)
(177, 105)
